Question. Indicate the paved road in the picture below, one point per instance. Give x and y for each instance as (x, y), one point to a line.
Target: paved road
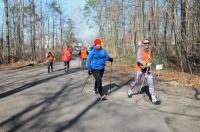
(32, 100)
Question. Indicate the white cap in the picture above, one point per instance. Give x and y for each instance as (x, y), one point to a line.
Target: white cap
(145, 41)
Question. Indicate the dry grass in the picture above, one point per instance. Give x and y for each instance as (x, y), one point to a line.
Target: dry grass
(184, 79)
(17, 65)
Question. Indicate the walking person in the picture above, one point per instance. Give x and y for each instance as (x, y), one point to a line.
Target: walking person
(143, 66)
(66, 57)
(50, 59)
(83, 56)
(96, 64)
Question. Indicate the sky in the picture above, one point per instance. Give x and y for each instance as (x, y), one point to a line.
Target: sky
(74, 10)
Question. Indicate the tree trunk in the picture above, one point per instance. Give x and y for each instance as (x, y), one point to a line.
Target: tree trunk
(137, 25)
(165, 32)
(1, 45)
(142, 19)
(31, 32)
(48, 33)
(33, 22)
(61, 30)
(41, 29)
(150, 19)
(21, 38)
(7, 29)
(188, 15)
(53, 33)
(184, 43)
(123, 26)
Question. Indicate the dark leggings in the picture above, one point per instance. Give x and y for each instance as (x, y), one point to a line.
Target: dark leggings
(98, 74)
(83, 63)
(66, 63)
(50, 66)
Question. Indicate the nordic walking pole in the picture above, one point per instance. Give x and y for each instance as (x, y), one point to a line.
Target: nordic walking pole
(85, 83)
(142, 85)
(143, 79)
(110, 75)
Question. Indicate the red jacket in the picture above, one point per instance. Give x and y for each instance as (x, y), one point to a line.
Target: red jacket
(67, 54)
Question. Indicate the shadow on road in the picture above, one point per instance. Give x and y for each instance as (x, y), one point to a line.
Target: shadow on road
(197, 94)
(17, 121)
(68, 124)
(34, 83)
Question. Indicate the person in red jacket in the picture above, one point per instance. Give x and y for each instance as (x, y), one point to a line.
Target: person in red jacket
(66, 57)
(83, 55)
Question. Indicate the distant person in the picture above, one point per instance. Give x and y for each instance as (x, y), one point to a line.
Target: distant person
(96, 64)
(50, 59)
(83, 55)
(143, 66)
(66, 57)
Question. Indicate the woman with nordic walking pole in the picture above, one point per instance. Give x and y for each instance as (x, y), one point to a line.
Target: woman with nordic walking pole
(143, 66)
(96, 63)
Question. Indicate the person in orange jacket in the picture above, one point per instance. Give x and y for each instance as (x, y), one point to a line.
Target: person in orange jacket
(66, 57)
(83, 55)
(143, 66)
(50, 59)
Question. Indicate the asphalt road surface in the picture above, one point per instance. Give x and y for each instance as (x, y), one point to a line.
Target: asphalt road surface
(33, 100)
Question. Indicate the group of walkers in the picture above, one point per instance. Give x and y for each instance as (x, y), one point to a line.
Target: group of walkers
(66, 58)
(95, 61)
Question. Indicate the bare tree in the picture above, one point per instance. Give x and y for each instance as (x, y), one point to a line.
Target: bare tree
(7, 29)
(41, 27)
(21, 30)
(2, 39)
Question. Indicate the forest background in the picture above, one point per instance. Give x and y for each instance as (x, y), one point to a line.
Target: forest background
(29, 28)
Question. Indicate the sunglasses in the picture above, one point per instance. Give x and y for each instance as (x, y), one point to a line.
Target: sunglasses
(145, 43)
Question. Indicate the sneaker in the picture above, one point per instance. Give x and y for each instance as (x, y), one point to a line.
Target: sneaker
(155, 101)
(129, 93)
(103, 97)
(95, 91)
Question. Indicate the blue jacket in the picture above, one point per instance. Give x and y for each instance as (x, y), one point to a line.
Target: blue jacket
(97, 59)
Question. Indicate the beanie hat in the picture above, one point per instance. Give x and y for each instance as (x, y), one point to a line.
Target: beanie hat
(97, 42)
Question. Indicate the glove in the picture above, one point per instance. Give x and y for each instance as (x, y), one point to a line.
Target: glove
(148, 64)
(89, 72)
(111, 59)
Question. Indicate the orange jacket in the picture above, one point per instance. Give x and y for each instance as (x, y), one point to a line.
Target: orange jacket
(67, 54)
(83, 53)
(145, 57)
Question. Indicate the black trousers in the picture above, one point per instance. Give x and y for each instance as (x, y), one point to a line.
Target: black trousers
(83, 63)
(50, 66)
(98, 74)
(66, 63)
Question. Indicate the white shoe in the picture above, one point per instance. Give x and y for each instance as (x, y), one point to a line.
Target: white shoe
(129, 93)
(155, 101)
(103, 97)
